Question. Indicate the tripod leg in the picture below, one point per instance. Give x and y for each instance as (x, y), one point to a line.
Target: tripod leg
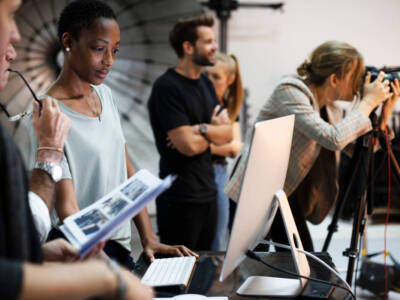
(332, 228)
(359, 218)
(358, 227)
(365, 238)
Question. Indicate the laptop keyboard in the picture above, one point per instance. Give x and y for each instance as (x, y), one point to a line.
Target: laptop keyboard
(169, 271)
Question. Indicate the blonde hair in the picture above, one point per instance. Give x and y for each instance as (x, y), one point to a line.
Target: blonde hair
(332, 57)
(233, 97)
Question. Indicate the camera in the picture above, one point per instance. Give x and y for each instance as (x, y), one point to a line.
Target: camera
(390, 73)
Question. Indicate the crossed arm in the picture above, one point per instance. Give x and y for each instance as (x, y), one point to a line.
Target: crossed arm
(232, 148)
(189, 141)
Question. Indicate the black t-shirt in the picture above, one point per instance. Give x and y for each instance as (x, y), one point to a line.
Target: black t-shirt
(176, 101)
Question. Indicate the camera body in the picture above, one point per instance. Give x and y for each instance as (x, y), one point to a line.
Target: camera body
(390, 75)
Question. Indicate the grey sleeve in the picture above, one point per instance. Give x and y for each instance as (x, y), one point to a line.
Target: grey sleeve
(10, 279)
(288, 99)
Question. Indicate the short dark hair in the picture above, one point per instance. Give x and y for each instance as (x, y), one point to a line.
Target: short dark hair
(186, 30)
(81, 14)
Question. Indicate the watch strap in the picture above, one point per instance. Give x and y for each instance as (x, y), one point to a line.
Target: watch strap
(203, 131)
(48, 167)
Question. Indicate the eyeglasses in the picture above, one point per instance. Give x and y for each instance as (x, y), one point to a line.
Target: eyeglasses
(23, 114)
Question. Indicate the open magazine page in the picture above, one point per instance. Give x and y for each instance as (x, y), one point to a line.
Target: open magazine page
(99, 220)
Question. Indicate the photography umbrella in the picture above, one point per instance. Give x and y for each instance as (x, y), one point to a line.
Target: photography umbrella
(144, 55)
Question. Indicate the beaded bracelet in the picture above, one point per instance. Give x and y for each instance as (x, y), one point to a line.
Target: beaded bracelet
(50, 148)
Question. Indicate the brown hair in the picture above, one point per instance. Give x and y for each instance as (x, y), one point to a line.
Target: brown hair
(186, 30)
(233, 97)
(332, 57)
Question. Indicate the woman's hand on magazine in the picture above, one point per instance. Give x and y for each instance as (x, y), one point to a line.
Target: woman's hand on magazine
(97, 251)
(61, 251)
(151, 247)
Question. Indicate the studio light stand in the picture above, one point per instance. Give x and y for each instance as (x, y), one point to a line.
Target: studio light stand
(223, 10)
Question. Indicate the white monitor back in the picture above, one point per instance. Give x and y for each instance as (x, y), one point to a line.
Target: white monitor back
(264, 175)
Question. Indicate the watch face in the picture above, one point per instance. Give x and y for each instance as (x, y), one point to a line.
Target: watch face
(203, 128)
(54, 170)
(56, 173)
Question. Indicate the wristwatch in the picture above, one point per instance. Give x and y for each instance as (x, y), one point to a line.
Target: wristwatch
(203, 130)
(54, 170)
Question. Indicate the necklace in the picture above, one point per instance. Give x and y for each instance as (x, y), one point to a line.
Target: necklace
(94, 111)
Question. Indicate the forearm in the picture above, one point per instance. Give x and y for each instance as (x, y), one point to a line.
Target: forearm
(188, 140)
(197, 144)
(67, 203)
(67, 281)
(129, 167)
(227, 150)
(219, 134)
(386, 115)
(232, 148)
(41, 183)
(143, 224)
(65, 210)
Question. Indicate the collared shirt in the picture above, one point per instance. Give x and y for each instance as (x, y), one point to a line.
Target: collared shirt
(41, 216)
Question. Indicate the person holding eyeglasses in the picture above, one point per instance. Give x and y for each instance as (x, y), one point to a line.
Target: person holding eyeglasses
(51, 127)
(23, 273)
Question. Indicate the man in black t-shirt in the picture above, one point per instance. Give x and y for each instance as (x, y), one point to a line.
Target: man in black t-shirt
(184, 117)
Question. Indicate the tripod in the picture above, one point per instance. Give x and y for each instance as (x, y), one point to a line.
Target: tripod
(360, 186)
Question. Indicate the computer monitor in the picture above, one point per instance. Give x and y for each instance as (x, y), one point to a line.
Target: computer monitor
(261, 194)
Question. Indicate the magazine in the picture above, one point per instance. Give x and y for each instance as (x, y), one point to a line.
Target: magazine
(97, 222)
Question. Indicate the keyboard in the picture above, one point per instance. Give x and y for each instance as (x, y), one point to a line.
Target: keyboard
(169, 271)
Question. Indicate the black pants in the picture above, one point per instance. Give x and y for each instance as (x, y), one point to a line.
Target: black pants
(189, 224)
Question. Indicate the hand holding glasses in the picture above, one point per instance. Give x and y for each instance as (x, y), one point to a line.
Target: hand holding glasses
(23, 114)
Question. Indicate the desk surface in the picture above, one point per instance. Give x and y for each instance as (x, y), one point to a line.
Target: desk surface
(205, 278)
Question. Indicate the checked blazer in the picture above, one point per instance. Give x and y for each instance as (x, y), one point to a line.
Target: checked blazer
(311, 134)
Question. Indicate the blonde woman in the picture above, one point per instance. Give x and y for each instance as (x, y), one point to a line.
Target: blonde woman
(333, 72)
(226, 78)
